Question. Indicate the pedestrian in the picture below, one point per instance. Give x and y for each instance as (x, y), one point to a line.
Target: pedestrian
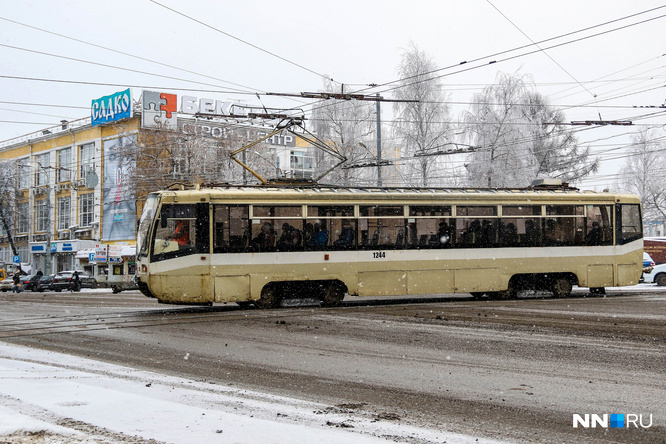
(17, 282)
(76, 283)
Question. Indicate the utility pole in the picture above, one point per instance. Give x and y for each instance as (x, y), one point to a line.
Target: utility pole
(379, 142)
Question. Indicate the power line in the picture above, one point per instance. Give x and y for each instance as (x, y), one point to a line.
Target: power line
(537, 45)
(527, 46)
(105, 65)
(125, 85)
(242, 41)
(45, 105)
(123, 53)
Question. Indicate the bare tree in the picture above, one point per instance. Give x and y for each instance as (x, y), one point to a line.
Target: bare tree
(8, 189)
(554, 146)
(345, 126)
(643, 173)
(159, 157)
(518, 137)
(421, 126)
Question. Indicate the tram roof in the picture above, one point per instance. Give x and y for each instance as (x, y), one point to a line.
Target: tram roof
(358, 194)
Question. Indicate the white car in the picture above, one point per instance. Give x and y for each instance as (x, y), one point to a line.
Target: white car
(657, 275)
(7, 284)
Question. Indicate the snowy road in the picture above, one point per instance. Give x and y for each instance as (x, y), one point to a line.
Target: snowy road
(120, 368)
(79, 400)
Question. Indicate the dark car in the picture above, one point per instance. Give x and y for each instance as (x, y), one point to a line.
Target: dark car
(64, 281)
(44, 283)
(29, 282)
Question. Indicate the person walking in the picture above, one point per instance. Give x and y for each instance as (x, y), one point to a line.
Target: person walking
(17, 282)
(76, 282)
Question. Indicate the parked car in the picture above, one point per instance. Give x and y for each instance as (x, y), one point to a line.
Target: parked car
(7, 284)
(64, 281)
(44, 283)
(647, 260)
(657, 275)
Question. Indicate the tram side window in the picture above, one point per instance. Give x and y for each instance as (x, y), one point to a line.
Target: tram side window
(520, 226)
(429, 233)
(182, 230)
(276, 228)
(429, 226)
(630, 227)
(230, 225)
(599, 226)
(331, 227)
(519, 232)
(476, 226)
(564, 225)
(381, 227)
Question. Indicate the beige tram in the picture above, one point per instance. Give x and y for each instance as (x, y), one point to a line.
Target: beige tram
(262, 244)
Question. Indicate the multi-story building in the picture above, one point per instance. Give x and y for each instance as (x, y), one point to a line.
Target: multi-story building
(57, 209)
(70, 193)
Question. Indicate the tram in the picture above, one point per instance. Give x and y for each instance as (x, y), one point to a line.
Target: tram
(261, 244)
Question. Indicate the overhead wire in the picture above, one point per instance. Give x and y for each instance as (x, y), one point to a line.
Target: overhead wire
(134, 56)
(319, 74)
(105, 65)
(242, 41)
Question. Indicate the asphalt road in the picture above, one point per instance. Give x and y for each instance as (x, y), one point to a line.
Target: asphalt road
(515, 370)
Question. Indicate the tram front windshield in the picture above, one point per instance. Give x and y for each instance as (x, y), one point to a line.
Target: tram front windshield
(147, 217)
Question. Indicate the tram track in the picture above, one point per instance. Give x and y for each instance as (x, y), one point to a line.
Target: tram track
(440, 361)
(455, 309)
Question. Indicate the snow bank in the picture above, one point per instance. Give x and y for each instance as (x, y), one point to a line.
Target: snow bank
(39, 389)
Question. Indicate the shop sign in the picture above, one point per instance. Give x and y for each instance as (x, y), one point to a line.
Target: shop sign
(100, 253)
(159, 110)
(111, 108)
(115, 253)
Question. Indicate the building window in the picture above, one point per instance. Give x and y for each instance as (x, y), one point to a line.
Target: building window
(64, 262)
(86, 159)
(86, 212)
(41, 215)
(63, 165)
(22, 218)
(64, 212)
(23, 252)
(300, 164)
(24, 173)
(42, 172)
(5, 255)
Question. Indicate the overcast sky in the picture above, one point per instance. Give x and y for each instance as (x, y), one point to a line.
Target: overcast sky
(217, 49)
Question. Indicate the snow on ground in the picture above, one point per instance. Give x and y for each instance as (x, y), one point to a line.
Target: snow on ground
(66, 399)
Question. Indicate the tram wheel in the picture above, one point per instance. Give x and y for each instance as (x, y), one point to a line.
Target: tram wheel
(270, 297)
(332, 294)
(561, 287)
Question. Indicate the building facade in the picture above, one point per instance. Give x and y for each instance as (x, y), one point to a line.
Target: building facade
(69, 195)
(57, 210)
